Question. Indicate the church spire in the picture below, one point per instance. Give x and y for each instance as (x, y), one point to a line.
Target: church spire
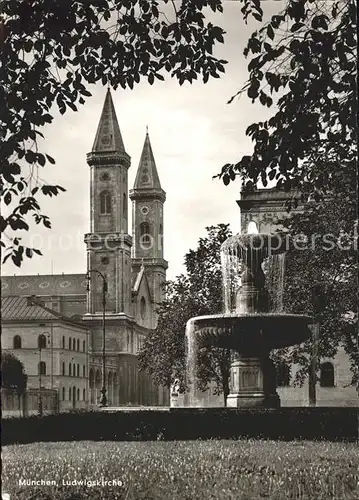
(147, 175)
(108, 136)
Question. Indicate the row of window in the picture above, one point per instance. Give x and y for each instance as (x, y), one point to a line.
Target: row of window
(326, 375)
(74, 370)
(73, 394)
(41, 341)
(106, 203)
(73, 344)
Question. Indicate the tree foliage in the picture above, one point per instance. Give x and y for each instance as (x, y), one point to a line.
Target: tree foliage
(52, 51)
(196, 293)
(13, 374)
(321, 279)
(302, 64)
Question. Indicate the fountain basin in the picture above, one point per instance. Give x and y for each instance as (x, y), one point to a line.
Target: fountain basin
(251, 331)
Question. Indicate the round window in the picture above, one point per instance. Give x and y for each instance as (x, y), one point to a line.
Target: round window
(144, 210)
(105, 176)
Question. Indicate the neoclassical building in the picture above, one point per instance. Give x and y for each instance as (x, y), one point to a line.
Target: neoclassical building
(67, 310)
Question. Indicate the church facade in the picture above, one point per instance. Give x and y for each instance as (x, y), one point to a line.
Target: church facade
(68, 309)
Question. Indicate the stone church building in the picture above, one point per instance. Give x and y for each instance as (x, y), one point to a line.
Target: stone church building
(53, 323)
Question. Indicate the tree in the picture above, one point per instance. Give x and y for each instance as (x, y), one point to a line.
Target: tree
(322, 258)
(13, 374)
(52, 51)
(196, 293)
(302, 64)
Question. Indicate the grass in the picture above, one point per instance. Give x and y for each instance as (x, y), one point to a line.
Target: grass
(179, 470)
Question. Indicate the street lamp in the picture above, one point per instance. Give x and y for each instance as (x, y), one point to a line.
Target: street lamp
(103, 400)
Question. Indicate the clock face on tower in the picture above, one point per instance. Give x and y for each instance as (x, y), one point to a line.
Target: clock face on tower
(144, 210)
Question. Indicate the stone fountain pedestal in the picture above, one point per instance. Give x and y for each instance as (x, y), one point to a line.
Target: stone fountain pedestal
(253, 383)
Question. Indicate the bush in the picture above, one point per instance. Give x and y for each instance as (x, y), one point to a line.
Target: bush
(332, 424)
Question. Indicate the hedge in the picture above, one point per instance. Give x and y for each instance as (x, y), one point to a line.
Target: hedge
(332, 424)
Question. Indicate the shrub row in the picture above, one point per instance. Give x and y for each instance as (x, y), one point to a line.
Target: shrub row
(333, 424)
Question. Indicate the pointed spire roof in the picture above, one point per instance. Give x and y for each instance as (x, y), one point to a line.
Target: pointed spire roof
(108, 136)
(147, 175)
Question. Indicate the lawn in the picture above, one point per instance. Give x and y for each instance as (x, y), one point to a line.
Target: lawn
(245, 469)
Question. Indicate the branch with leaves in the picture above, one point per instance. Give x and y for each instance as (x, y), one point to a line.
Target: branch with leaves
(52, 51)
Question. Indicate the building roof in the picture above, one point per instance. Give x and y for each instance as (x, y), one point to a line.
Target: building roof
(21, 308)
(147, 175)
(108, 136)
(44, 285)
(15, 308)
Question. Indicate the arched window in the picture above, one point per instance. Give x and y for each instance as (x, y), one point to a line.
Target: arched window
(84, 371)
(70, 369)
(17, 342)
(84, 394)
(69, 393)
(105, 203)
(145, 234)
(63, 394)
(91, 379)
(41, 342)
(327, 375)
(124, 206)
(42, 368)
(63, 368)
(78, 371)
(84, 346)
(252, 228)
(283, 375)
(74, 370)
(63, 341)
(70, 343)
(78, 345)
(78, 394)
(74, 345)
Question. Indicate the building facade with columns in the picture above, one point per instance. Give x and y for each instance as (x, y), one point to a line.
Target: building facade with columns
(133, 266)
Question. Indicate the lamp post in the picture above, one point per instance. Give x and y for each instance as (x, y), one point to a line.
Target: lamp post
(103, 400)
(40, 395)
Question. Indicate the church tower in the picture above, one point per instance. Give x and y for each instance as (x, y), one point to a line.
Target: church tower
(148, 198)
(108, 243)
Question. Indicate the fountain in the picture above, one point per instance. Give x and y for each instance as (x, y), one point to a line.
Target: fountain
(247, 326)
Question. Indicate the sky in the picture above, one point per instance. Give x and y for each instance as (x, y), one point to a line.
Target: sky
(193, 132)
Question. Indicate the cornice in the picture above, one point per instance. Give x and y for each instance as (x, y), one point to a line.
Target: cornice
(148, 194)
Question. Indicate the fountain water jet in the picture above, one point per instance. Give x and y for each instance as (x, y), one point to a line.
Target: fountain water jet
(247, 327)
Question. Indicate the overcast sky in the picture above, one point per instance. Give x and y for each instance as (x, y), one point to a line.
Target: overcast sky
(193, 133)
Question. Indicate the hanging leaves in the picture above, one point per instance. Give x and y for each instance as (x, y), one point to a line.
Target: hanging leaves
(50, 56)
